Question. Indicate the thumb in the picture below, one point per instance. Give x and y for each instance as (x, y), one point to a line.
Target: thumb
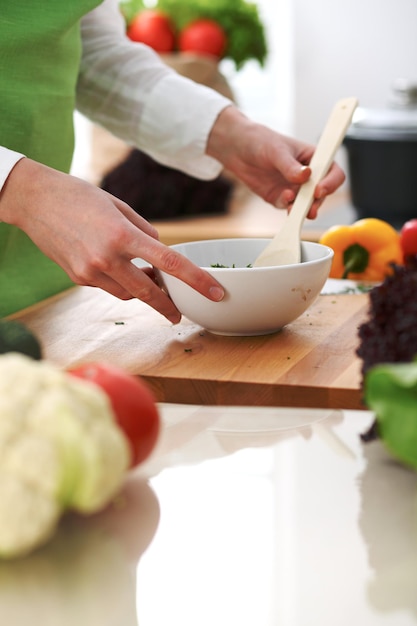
(292, 159)
(295, 175)
(295, 172)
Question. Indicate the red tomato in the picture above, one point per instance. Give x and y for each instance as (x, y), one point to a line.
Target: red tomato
(408, 238)
(154, 29)
(133, 405)
(204, 37)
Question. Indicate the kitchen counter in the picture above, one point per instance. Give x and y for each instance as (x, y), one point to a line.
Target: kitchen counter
(243, 516)
(309, 363)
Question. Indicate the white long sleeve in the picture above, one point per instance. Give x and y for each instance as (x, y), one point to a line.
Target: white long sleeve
(8, 159)
(127, 89)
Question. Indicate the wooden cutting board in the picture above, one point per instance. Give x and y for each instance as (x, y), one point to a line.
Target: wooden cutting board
(310, 363)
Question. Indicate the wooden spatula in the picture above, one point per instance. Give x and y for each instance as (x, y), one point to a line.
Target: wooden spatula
(285, 247)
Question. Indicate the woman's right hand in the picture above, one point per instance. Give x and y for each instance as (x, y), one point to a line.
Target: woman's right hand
(94, 236)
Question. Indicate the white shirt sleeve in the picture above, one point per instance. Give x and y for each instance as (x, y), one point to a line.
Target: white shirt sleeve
(8, 159)
(125, 87)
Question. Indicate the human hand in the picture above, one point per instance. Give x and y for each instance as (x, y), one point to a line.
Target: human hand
(94, 236)
(270, 164)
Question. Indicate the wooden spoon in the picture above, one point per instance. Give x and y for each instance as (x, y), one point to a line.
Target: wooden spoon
(285, 247)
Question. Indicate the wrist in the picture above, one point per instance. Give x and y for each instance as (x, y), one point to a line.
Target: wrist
(226, 133)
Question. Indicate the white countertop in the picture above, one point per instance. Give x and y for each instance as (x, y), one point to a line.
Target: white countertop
(243, 516)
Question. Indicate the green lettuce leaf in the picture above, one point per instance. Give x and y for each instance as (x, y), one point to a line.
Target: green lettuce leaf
(391, 392)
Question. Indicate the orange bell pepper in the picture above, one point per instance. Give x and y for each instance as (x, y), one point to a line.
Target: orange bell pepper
(364, 250)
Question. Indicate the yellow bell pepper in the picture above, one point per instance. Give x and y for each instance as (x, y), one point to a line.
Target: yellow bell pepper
(364, 250)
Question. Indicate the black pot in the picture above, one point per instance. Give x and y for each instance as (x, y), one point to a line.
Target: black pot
(382, 162)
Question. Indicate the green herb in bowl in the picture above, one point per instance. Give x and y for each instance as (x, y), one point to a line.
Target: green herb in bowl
(220, 265)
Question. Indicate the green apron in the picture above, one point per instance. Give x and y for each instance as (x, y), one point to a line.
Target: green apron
(40, 48)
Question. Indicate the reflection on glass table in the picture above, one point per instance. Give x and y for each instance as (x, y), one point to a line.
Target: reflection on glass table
(266, 516)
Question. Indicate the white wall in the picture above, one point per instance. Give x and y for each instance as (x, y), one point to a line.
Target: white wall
(322, 50)
(266, 94)
(346, 48)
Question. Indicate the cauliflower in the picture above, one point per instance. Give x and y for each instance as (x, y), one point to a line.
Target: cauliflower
(60, 449)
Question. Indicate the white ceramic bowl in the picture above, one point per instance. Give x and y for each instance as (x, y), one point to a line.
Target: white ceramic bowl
(259, 300)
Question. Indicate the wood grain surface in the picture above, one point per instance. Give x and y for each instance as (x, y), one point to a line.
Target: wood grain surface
(310, 363)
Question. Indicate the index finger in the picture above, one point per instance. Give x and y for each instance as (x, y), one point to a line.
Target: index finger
(172, 262)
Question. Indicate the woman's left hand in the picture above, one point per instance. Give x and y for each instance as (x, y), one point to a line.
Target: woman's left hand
(270, 164)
